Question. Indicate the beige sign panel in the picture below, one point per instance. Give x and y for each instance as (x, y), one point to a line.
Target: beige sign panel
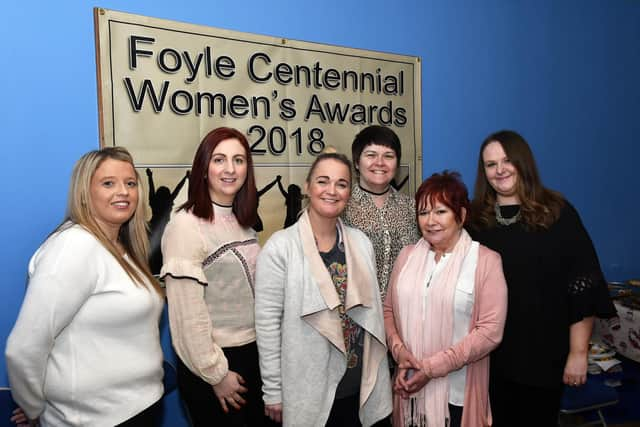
(163, 85)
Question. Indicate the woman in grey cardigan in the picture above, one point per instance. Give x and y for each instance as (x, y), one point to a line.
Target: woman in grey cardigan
(318, 313)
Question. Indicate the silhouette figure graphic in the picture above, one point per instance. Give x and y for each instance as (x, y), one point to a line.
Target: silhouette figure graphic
(258, 227)
(293, 200)
(161, 203)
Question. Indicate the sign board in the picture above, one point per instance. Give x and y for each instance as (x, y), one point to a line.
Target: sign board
(163, 85)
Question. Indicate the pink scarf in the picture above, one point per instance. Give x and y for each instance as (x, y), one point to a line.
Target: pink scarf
(426, 324)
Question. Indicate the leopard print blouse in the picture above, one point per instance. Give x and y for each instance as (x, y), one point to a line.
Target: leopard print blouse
(389, 228)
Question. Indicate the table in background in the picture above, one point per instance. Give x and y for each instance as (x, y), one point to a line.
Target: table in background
(622, 335)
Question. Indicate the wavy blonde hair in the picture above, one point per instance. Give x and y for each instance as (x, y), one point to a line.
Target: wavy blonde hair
(133, 233)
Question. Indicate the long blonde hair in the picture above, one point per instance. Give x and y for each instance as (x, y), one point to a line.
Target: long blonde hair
(133, 234)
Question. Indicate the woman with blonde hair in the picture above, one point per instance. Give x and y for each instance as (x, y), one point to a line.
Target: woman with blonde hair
(85, 349)
(319, 315)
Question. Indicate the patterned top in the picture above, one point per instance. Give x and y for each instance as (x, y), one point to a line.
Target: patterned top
(336, 263)
(389, 228)
(209, 269)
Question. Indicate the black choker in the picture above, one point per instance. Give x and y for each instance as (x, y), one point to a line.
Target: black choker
(221, 205)
(373, 192)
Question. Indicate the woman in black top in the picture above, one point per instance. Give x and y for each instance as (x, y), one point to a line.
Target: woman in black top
(553, 277)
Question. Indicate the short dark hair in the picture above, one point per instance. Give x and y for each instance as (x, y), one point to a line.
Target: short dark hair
(245, 203)
(375, 134)
(447, 188)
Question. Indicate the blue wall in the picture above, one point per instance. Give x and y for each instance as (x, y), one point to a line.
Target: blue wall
(563, 73)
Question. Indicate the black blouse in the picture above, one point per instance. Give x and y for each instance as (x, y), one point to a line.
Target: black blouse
(554, 280)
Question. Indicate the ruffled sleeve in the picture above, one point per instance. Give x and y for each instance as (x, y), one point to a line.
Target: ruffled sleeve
(183, 249)
(586, 286)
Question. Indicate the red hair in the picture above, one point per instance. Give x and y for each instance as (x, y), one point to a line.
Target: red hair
(245, 203)
(446, 188)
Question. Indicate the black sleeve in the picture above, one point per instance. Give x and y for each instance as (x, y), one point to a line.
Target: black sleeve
(587, 287)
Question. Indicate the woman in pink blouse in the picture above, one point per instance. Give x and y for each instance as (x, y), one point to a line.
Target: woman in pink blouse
(444, 312)
(209, 252)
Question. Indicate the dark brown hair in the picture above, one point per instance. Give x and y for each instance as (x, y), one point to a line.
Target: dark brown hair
(378, 135)
(245, 206)
(539, 206)
(447, 188)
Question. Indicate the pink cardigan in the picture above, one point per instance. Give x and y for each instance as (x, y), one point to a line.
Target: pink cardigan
(485, 333)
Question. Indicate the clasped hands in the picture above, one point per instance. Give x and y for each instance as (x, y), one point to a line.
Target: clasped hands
(411, 376)
(228, 391)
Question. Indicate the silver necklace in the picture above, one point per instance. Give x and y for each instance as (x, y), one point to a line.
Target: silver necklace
(505, 221)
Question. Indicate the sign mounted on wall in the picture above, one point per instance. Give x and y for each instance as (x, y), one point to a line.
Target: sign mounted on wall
(163, 85)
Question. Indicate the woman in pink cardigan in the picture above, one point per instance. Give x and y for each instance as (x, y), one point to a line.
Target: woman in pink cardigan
(444, 312)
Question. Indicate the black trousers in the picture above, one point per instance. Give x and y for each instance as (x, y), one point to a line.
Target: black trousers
(146, 418)
(455, 415)
(202, 404)
(455, 412)
(344, 413)
(514, 404)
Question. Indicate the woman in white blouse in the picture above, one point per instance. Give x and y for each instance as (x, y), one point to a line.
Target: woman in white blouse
(209, 252)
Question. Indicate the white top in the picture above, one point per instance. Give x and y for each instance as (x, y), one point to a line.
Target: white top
(463, 307)
(85, 350)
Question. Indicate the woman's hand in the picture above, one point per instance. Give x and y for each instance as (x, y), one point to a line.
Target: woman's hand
(228, 391)
(411, 377)
(575, 370)
(406, 360)
(417, 380)
(409, 381)
(274, 412)
(400, 384)
(20, 419)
